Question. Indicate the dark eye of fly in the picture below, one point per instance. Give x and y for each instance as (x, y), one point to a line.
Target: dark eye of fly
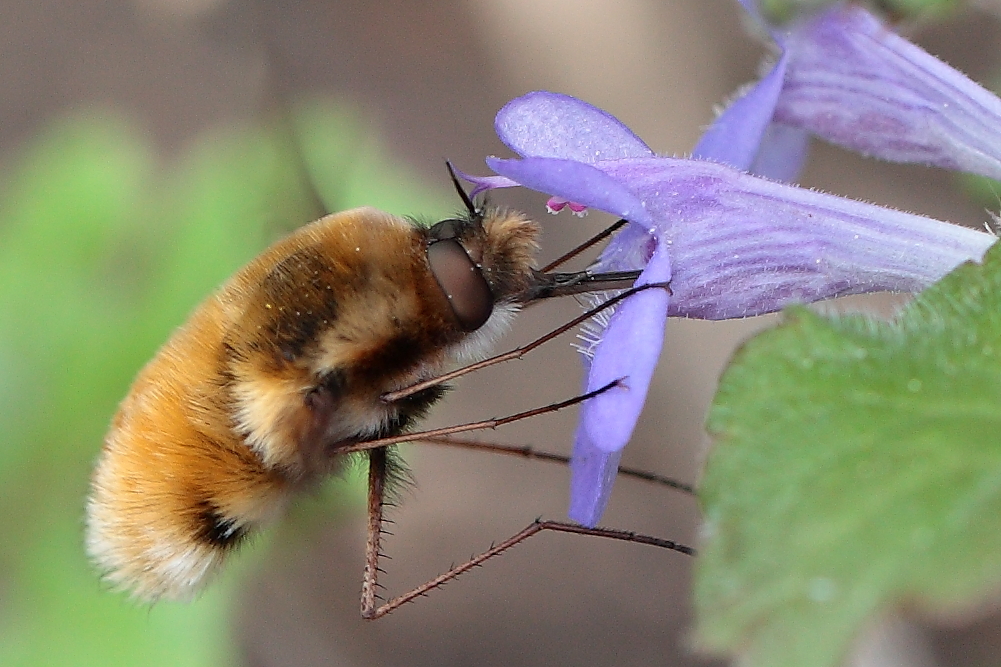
(460, 279)
(446, 229)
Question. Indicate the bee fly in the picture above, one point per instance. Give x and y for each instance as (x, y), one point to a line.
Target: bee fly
(333, 340)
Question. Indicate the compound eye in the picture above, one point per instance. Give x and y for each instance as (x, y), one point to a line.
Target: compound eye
(446, 229)
(460, 279)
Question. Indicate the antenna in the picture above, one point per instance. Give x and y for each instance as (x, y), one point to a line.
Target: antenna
(473, 211)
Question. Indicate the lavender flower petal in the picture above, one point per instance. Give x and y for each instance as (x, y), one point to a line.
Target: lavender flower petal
(782, 153)
(853, 82)
(742, 245)
(631, 343)
(735, 137)
(630, 250)
(574, 181)
(484, 183)
(592, 475)
(544, 124)
(628, 353)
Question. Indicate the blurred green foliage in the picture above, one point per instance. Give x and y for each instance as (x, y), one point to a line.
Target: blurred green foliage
(781, 11)
(103, 252)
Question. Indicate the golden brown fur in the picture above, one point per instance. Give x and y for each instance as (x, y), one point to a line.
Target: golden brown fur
(248, 402)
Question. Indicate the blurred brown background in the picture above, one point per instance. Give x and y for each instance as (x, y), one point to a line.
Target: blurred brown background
(430, 76)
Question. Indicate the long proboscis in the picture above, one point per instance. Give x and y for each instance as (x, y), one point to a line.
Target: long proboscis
(550, 285)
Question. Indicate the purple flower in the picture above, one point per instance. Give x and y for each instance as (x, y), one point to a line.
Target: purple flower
(733, 244)
(845, 77)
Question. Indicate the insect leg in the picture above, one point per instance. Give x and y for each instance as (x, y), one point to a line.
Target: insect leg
(536, 526)
(475, 426)
(518, 352)
(600, 236)
(373, 549)
(530, 453)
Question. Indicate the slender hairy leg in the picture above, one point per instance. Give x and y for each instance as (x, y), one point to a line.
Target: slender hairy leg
(473, 426)
(518, 352)
(376, 496)
(376, 493)
(598, 238)
(377, 471)
(370, 611)
(529, 453)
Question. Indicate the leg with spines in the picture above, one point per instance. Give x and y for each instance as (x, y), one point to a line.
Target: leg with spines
(377, 479)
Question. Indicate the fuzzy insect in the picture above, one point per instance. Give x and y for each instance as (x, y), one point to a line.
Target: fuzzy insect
(287, 366)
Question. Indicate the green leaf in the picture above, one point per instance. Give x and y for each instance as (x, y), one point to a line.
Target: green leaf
(857, 466)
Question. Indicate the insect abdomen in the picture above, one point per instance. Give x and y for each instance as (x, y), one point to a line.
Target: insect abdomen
(222, 426)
